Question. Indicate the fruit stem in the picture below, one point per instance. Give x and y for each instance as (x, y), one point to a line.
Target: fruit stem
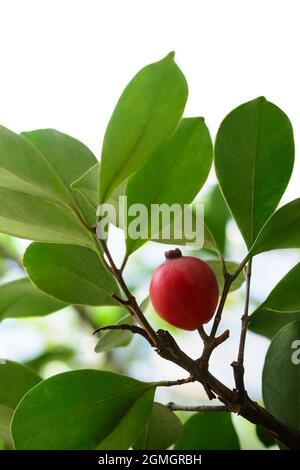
(173, 254)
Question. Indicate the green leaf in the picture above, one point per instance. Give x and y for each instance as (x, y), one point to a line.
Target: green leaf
(281, 376)
(35, 204)
(231, 268)
(21, 299)
(265, 436)
(110, 339)
(70, 273)
(281, 231)
(82, 410)
(254, 159)
(15, 380)
(145, 116)
(216, 216)
(208, 431)
(161, 431)
(268, 323)
(68, 157)
(187, 156)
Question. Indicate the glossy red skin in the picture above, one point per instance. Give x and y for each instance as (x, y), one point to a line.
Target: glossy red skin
(184, 292)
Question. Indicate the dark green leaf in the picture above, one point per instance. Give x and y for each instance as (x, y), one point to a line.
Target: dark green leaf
(187, 156)
(231, 268)
(145, 116)
(21, 299)
(281, 376)
(70, 273)
(110, 339)
(254, 160)
(265, 436)
(216, 216)
(281, 231)
(161, 431)
(15, 381)
(83, 410)
(268, 323)
(208, 431)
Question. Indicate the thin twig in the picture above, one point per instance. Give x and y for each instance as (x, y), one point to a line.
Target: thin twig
(218, 316)
(133, 328)
(205, 408)
(172, 383)
(238, 365)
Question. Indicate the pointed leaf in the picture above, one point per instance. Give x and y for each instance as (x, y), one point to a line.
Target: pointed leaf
(216, 215)
(145, 116)
(208, 431)
(281, 376)
(80, 410)
(21, 299)
(281, 231)
(70, 273)
(187, 156)
(161, 431)
(254, 158)
(110, 339)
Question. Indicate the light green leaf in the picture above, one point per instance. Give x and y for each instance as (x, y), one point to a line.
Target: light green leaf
(161, 431)
(81, 410)
(21, 299)
(281, 376)
(208, 431)
(70, 273)
(281, 231)
(216, 215)
(231, 268)
(145, 116)
(254, 159)
(35, 204)
(187, 156)
(15, 381)
(110, 339)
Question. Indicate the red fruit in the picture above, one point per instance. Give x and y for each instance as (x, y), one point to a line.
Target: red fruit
(184, 291)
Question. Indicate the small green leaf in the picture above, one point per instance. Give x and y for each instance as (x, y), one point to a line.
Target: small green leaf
(281, 376)
(110, 339)
(265, 436)
(161, 431)
(82, 410)
(281, 231)
(187, 156)
(15, 381)
(208, 431)
(216, 215)
(268, 323)
(254, 159)
(231, 268)
(70, 273)
(145, 116)
(21, 299)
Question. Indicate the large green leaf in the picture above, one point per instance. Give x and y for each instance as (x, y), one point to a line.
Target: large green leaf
(268, 323)
(281, 376)
(254, 158)
(110, 339)
(70, 273)
(145, 116)
(21, 299)
(281, 231)
(208, 431)
(161, 431)
(216, 216)
(35, 204)
(68, 157)
(82, 410)
(231, 268)
(187, 156)
(15, 380)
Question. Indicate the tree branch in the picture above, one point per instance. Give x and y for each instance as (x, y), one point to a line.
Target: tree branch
(133, 328)
(204, 408)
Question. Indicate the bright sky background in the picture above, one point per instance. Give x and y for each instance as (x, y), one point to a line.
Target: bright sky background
(63, 64)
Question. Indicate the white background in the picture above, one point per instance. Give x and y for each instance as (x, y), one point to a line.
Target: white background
(63, 64)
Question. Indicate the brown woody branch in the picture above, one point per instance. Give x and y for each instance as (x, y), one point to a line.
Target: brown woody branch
(200, 408)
